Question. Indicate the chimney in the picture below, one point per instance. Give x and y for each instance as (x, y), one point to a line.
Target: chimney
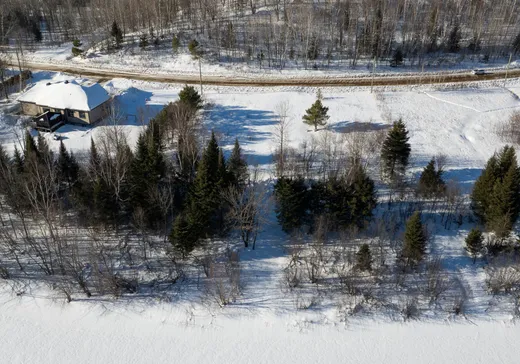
(66, 81)
(48, 84)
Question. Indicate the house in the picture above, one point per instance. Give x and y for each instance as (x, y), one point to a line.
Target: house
(74, 102)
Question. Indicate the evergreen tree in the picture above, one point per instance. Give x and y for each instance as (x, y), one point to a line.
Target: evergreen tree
(175, 44)
(143, 41)
(516, 44)
(183, 236)
(363, 198)
(44, 151)
(398, 57)
(316, 115)
(505, 203)
(17, 160)
(364, 258)
(194, 48)
(474, 243)
(481, 196)
(30, 146)
(117, 34)
(414, 246)
(202, 209)
(76, 50)
(292, 203)
(454, 39)
(94, 159)
(495, 197)
(67, 167)
(339, 202)
(431, 183)
(191, 97)
(395, 151)
(237, 167)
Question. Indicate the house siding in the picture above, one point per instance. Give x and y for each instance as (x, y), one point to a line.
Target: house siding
(30, 109)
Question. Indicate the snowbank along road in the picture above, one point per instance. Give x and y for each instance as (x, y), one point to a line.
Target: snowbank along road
(378, 80)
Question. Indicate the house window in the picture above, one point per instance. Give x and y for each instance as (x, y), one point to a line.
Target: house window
(82, 115)
(70, 113)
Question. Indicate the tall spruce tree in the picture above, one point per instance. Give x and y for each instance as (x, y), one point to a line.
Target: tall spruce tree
(67, 167)
(292, 203)
(237, 167)
(191, 97)
(30, 149)
(474, 243)
(495, 197)
(117, 34)
(316, 115)
(363, 199)
(431, 183)
(364, 258)
(183, 236)
(395, 151)
(414, 245)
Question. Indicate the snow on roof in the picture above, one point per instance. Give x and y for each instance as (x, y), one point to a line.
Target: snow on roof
(66, 95)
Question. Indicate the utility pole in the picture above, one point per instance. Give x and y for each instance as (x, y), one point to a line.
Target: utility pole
(200, 76)
(373, 74)
(507, 68)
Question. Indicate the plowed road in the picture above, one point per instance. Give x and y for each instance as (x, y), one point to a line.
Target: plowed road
(377, 80)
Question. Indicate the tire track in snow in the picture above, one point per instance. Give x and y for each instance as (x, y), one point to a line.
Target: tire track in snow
(451, 102)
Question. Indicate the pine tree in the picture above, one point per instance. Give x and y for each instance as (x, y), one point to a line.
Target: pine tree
(117, 34)
(316, 115)
(94, 159)
(364, 258)
(237, 167)
(18, 162)
(395, 151)
(474, 243)
(292, 203)
(183, 236)
(454, 39)
(175, 44)
(430, 182)
(30, 146)
(481, 196)
(191, 97)
(414, 246)
(516, 44)
(194, 48)
(339, 202)
(204, 197)
(67, 167)
(505, 203)
(495, 198)
(363, 197)
(76, 50)
(44, 151)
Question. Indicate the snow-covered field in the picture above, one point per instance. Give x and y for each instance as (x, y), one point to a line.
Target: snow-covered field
(263, 326)
(33, 330)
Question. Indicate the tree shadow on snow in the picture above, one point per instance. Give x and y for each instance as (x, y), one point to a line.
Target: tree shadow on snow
(231, 122)
(356, 126)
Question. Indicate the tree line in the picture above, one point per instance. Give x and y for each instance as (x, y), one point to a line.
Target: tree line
(277, 33)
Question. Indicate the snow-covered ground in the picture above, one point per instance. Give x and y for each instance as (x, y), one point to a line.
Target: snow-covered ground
(263, 326)
(34, 330)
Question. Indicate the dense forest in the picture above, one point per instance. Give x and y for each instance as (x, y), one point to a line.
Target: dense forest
(276, 33)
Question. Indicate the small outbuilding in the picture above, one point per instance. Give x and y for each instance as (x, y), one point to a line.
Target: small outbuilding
(77, 102)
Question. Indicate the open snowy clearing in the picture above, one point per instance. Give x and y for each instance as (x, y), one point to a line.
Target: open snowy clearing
(35, 330)
(263, 326)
